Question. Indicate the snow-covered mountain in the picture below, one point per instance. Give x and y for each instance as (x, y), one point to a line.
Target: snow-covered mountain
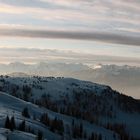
(66, 108)
(42, 68)
(125, 79)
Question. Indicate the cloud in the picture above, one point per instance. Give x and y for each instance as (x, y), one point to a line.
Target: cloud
(98, 20)
(8, 55)
(93, 36)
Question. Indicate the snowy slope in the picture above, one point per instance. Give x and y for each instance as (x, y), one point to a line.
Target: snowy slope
(6, 134)
(12, 106)
(58, 89)
(56, 86)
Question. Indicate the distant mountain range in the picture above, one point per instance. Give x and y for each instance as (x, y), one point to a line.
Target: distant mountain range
(124, 78)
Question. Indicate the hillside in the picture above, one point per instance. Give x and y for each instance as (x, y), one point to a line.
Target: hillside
(66, 108)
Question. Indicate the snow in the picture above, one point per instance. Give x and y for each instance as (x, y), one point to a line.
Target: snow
(15, 135)
(2, 137)
(7, 107)
(21, 135)
(57, 87)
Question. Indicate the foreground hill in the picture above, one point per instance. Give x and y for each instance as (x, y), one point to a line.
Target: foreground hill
(11, 106)
(66, 108)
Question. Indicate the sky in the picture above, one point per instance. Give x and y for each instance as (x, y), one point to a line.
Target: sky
(101, 27)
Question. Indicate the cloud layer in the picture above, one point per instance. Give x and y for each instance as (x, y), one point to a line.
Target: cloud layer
(100, 20)
(95, 36)
(61, 56)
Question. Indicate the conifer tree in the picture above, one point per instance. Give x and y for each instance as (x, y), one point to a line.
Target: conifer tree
(13, 125)
(22, 126)
(40, 135)
(7, 122)
(25, 113)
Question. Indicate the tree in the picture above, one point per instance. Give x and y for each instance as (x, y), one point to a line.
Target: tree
(92, 136)
(13, 125)
(25, 112)
(26, 92)
(53, 125)
(7, 122)
(81, 130)
(77, 131)
(100, 137)
(40, 135)
(22, 126)
(73, 122)
(45, 119)
(57, 125)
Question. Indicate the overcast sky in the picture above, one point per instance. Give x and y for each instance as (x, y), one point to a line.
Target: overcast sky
(105, 27)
